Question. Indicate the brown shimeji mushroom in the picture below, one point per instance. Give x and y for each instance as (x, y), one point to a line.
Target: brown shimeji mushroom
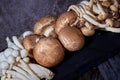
(88, 30)
(48, 52)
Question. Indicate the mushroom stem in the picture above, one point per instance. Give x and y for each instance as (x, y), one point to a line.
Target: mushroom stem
(19, 75)
(102, 15)
(17, 42)
(25, 67)
(22, 72)
(100, 7)
(92, 21)
(15, 78)
(41, 71)
(115, 30)
(88, 12)
(96, 10)
(88, 3)
(76, 9)
(2, 56)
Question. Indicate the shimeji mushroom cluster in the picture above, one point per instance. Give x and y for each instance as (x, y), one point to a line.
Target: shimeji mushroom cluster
(15, 63)
(97, 14)
(51, 36)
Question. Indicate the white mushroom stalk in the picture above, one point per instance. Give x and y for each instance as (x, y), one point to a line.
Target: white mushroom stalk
(88, 11)
(15, 63)
(98, 15)
(88, 3)
(11, 44)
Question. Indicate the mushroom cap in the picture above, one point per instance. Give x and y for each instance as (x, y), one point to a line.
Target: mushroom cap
(29, 42)
(106, 4)
(65, 19)
(71, 38)
(87, 32)
(48, 52)
(43, 23)
(102, 17)
(114, 8)
(109, 22)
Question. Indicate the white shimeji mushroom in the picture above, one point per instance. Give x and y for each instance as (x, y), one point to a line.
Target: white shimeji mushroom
(11, 59)
(41, 71)
(4, 65)
(17, 42)
(11, 44)
(23, 53)
(25, 67)
(19, 75)
(26, 59)
(2, 57)
(8, 52)
(15, 53)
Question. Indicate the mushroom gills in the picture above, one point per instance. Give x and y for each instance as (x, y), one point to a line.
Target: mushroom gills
(48, 30)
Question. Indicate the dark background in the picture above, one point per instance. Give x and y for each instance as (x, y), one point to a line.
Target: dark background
(17, 16)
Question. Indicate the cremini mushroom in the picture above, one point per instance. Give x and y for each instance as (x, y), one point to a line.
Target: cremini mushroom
(15, 64)
(71, 38)
(29, 42)
(45, 26)
(66, 19)
(48, 52)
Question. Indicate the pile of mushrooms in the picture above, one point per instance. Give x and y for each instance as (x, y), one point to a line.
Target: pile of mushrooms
(15, 63)
(97, 14)
(51, 36)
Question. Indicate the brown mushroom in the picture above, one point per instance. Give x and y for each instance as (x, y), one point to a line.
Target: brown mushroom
(71, 38)
(88, 30)
(29, 43)
(106, 4)
(66, 19)
(45, 26)
(48, 52)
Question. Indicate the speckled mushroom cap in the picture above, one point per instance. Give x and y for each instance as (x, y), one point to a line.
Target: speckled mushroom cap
(48, 52)
(64, 20)
(43, 23)
(71, 38)
(29, 43)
